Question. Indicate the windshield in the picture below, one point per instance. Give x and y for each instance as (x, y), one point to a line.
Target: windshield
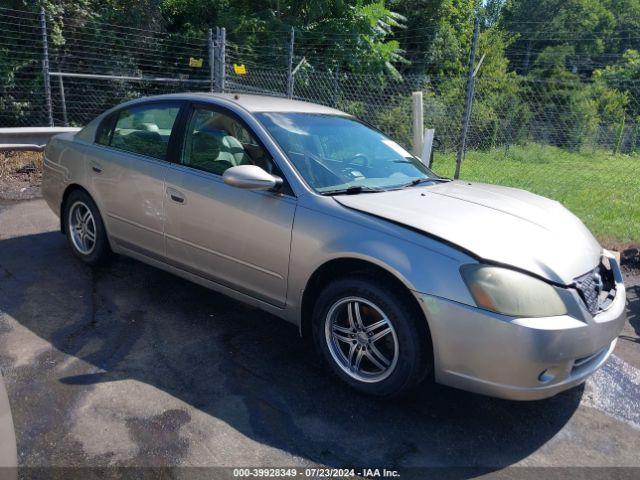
(335, 153)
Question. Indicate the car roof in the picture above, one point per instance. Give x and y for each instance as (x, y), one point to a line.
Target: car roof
(254, 103)
(249, 102)
(265, 103)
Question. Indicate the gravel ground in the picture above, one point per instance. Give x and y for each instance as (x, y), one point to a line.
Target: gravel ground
(20, 175)
(129, 366)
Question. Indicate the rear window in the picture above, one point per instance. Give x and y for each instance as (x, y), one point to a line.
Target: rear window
(142, 129)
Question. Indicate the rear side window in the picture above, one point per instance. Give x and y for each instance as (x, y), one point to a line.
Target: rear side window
(143, 129)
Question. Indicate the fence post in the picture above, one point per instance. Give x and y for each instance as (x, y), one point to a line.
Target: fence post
(418, 122)
(336, 86)
(45, 65)
(63, 102)
(212, 71)
(216, 61)
(466, 116)
(290, 65)
(223, 66)
(616, 150)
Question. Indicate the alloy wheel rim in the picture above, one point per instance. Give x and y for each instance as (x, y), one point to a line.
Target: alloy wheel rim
(361, 339)
(82, 228)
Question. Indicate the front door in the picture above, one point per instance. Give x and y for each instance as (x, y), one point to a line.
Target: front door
(234, 237)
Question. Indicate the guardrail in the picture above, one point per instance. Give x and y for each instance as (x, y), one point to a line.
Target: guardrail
(29, 138)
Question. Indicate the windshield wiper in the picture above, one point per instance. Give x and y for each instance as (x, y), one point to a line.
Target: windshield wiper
(418, 181)
(352, 190)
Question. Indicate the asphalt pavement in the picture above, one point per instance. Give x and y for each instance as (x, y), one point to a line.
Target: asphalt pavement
(126, 365)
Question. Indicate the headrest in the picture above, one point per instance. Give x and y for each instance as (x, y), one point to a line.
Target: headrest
(148, 127)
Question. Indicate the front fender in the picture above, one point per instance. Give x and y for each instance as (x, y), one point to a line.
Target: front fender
(421, 263)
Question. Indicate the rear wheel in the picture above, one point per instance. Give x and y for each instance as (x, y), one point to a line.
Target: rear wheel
(372, 338)
(84, 228)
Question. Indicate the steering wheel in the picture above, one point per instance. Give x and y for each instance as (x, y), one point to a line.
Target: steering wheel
(325, 169)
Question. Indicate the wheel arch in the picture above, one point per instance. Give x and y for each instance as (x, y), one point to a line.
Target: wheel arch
(348, 266)
(72, 187)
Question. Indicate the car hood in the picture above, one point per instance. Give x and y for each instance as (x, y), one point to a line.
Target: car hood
(498, 224)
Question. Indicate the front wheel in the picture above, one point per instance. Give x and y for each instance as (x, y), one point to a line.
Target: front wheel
(371, 336)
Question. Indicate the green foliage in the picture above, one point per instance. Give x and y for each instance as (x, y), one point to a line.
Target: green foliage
(585, 25)
(395, 121)
(449, 51)
(353, 34)
(570, 108)
(497, 100)
(546, 74)
(628, 68)
(618, 84)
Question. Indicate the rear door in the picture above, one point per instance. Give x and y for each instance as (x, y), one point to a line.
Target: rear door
(237, 238)
(127, 167)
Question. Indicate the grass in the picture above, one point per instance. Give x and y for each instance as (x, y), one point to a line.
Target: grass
(601, 188)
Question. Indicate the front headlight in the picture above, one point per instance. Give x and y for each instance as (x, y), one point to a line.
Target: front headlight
(511, 293)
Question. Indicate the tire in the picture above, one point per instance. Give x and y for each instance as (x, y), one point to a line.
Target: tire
(81, 223)
(404, 354)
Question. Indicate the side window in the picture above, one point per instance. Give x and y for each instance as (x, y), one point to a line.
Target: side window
(144, 129)
(215, 142)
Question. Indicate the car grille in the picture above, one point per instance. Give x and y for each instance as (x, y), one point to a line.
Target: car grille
(597, 288)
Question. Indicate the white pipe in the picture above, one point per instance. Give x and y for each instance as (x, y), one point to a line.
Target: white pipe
(418, 123)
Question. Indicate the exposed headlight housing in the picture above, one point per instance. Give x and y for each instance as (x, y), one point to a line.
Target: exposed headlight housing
(512, 293)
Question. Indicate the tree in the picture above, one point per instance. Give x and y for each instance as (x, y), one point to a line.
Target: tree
(564, 113)
(353, 33)
(626, 33)
(584, 25)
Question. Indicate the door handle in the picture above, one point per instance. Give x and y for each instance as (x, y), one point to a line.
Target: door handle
(175, 195)
(96, 168)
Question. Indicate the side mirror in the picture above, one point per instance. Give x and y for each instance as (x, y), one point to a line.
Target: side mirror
(250, 177)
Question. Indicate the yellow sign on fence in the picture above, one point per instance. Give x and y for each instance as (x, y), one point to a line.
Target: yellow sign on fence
(239, 69)
(195, 62)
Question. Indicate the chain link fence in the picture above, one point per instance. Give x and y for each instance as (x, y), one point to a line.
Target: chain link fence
(571, 127)
(22, 98)
(93, 66)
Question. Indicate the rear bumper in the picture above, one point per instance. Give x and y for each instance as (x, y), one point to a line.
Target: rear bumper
(519, 358)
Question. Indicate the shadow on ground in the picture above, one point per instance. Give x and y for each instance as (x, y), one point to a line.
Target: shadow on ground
(250, 370)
